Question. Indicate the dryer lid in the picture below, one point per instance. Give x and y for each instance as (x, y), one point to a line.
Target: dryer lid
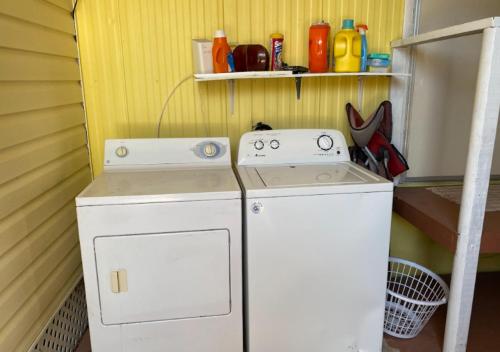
(173, 185)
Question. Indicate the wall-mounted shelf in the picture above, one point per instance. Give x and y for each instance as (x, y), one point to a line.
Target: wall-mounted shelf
(232, 76)
(203, 77)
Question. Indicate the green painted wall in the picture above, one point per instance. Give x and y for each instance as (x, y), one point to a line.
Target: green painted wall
(410, 243)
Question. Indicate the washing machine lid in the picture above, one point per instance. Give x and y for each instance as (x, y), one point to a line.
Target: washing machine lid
(171, 185)
(294, 180)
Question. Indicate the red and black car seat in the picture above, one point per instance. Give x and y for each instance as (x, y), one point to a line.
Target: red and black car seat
(372, 138)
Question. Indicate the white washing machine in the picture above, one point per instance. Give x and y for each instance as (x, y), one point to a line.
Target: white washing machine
(316, 244)
(160, 235)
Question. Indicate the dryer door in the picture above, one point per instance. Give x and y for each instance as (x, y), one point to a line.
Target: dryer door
(163, 276)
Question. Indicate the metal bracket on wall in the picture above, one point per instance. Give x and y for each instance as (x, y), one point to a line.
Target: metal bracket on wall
(360, 94)
(230, 92)
(298, 86)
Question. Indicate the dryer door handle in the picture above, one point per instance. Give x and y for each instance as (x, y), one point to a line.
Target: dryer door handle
(119, 282)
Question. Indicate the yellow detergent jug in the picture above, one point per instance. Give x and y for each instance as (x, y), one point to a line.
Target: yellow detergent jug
(347, 48)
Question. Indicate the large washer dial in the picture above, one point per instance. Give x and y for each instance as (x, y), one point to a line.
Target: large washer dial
(259, 145)
(325, 142)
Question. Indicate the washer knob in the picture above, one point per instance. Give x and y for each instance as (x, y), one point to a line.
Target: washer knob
(210, 150)
(259, 145)
(121, 152)
(325, 142)
(275, 144)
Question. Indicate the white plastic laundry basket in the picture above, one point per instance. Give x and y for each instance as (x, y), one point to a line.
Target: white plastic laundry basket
(413, 295)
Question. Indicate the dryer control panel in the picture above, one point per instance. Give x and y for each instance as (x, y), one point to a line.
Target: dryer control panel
(292, 147)
(146, 153)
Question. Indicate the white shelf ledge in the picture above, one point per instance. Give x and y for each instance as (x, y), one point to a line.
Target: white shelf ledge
(231, 78)
(205, 77)
(448, 32)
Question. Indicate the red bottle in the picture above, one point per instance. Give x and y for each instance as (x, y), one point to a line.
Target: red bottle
(318, 47)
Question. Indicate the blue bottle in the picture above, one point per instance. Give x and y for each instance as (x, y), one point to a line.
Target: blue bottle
(362, 28)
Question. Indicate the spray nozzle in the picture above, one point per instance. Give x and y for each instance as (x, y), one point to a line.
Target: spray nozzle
(361, 28)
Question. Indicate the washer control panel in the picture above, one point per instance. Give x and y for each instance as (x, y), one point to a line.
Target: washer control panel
(292, 147)
(148, 153)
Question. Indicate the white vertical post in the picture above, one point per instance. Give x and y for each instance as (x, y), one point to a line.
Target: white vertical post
(476, 181)
(401, 87)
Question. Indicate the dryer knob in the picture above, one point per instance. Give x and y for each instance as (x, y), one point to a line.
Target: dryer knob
(121, 152)
(210, 150)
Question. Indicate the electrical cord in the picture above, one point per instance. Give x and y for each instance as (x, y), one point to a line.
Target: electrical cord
(165, 104)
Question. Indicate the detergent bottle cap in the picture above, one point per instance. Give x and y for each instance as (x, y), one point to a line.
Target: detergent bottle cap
(219, 34)
(361, 28)
(348, 24)
(321, 23)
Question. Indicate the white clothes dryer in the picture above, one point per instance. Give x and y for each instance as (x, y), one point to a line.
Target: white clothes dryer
(160, 235)
(316, 244)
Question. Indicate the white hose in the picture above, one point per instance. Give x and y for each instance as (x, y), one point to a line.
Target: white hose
(166, 103)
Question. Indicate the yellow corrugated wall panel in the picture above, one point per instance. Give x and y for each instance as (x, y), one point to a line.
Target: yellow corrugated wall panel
(19, 34)
(44, 163)
(64, 4)
(73, 279)
(27, 219)
(23, 287)
(18, 65)
(22, 255)
(32, 95)
(20, 159)
(39, 12)
(25, 188)
(17, 335)
(134, 52)
(37, 123)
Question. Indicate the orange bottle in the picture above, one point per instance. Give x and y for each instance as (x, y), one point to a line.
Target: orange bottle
(220, 49)
(318, 47)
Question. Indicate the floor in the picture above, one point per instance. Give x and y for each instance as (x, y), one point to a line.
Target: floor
(484, 334)
(84, 345)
